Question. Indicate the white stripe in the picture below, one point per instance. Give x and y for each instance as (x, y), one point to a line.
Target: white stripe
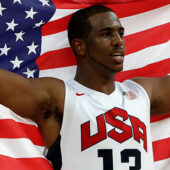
(6, 113)
(146, 20)
(160, 130)
(147, 56)
(54, 42)
(163, 164)
(60, 13)
(20, 148)
(64, 73)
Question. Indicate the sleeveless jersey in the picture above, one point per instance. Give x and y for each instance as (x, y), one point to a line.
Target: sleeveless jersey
(104, 132)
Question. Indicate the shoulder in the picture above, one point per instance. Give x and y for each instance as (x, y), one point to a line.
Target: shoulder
(146, 83)
(51, 85)
(158, 90)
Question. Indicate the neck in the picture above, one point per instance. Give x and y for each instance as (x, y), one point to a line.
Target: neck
(96, 79)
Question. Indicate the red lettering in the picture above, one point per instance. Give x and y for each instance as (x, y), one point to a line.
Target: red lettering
(136, 123)
(87, 140)
(139, 129)
(110, 118)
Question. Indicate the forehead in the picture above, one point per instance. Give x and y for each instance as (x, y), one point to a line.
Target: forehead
(100, 21)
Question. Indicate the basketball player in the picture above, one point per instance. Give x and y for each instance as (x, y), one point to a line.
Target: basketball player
(92, 122)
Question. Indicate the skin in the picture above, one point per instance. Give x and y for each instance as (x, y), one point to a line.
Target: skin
(42, 99)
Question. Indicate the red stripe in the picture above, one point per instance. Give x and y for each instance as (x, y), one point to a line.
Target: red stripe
(120, 9)
(55, 26)
(160, 149)
(159, 118)
(56, 59)
(7, 163)
(158, 69)
(147, 38)
(12, 129)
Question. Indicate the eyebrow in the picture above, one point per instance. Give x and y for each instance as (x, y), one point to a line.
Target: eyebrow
(110, 29)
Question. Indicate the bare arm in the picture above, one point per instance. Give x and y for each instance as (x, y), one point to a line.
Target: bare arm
(28, 96)
(158, 90)
(41, 100)
(19, 94)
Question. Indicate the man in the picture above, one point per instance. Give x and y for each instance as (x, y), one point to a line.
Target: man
(92, 122)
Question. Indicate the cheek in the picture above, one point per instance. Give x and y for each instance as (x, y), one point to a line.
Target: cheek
(98, 48)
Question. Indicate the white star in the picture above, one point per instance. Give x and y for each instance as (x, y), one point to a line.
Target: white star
(44, 2)
(30, 14)
(4, 50)
(19, 1)
(19, 36)
(39, 24)
(29, 73)
(1, 9)
(16, 63)
(11, 25)
(32, 48)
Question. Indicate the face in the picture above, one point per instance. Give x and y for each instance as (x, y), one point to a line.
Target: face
(105, 43)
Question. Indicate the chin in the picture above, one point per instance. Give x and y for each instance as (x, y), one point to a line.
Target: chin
(117, 69)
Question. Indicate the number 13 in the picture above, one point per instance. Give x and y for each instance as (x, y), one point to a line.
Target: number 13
(125, 154)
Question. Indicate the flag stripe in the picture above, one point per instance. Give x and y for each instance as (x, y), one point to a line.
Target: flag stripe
(161, 150)
(54, 42)
(8, 163)
(159, 118)
(162, 164)
(141, 23)
(56, 59)
(121, 9)
(147, 56)
(61, 13)
(160, 127)
(158, 69)
(6, 113)
(63, 73)
(55, 26)
(20, 148)
(12, 129)
(144, 39)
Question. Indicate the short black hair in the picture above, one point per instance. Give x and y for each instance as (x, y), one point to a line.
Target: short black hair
(79, 25)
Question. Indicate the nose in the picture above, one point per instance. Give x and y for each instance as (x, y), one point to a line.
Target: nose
(117, 41)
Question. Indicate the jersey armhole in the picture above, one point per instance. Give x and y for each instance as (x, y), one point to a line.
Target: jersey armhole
(69, 103)
(141, 88)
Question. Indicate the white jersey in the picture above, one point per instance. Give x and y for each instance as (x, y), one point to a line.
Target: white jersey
(106, 132)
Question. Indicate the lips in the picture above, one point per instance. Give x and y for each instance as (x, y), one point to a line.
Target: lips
(117, 57)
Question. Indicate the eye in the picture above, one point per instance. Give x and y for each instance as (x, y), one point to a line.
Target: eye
(121, 33)
(106, 34)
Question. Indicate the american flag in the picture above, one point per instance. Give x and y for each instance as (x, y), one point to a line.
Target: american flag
(34, 43)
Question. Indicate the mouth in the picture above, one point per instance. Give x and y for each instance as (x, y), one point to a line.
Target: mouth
(117, 57)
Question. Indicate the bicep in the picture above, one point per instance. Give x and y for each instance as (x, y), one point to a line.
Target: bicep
(19, 94)
(160, 97)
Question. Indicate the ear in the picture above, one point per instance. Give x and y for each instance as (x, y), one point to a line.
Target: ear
(79, 46)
